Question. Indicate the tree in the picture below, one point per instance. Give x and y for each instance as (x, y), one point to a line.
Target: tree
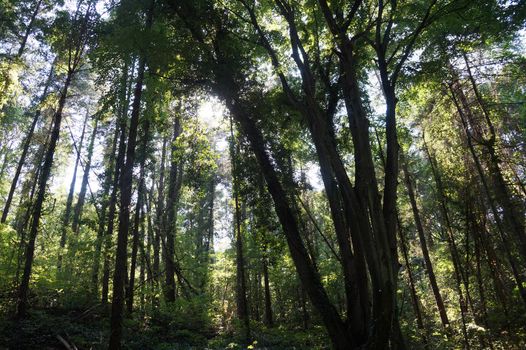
(75, 47)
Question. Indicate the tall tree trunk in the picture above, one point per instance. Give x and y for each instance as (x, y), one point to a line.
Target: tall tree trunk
(414, 295)
(493, 261)
(105, 202)
(26, 145)
(382, 253)
(512, 214)
(125, 186)
(135, 245)
(480, 283)
(241, 288)
(267, 319)
(502, 228)
(111, 215)
(342, 199)
(69, 202)
(159, 215)
(119, 164)
(310, 279)
(26, 203)
(85, 181)
(171, 216)
(29, 29)
(460, 275)
(142, 268)
(137, 218)
(24, 220)
(149, 236)
(41, 192)
(425, 252)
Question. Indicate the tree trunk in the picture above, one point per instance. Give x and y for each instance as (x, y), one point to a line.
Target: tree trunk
(342, 199)
(502, 228)
(512, 214)
(105, 202)
(25, 148)
(159, 217)
(310, 279)
(137, 219)
(414, 295)
(135, 245)
(460, 276)
(29, 29)
(84, 185)
(71, 194)
(26, 204)
(171, 216)
(125, 186)
(41, 192)
(119, 165)
(267, 319)
(425, 252)
(241, 289)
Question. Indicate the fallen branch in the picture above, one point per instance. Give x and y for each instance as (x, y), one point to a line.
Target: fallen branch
(66, 344)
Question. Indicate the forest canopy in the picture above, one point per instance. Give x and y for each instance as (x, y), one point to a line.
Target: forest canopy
(271, 174)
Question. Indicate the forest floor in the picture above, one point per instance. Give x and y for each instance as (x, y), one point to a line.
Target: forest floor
(70, 329)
